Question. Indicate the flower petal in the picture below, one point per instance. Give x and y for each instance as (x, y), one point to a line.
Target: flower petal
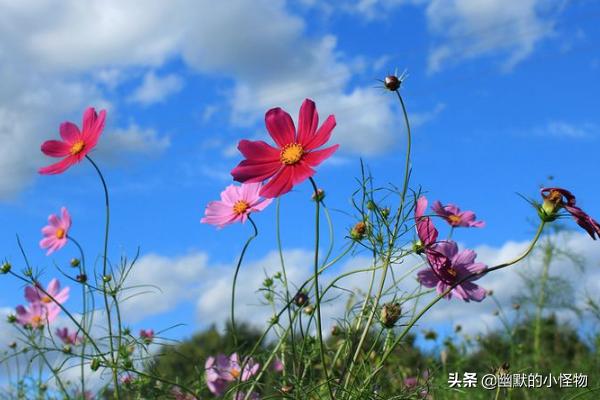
(308, 120)
(258, 150)
(57, 168)
(302, 172)
(464, 258)
(280, 126)
(255, 171)
(475, 292)
(56, 148)
(315, 158)
(323, 134)
(69, 132)
(280, 184)
(427, 278)
(93, 125)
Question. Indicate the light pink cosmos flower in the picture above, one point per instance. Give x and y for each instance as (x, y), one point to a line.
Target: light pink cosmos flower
(35, 295)
(34, 315)
(292, 161)
(455, 217)
(450, 268)
(55, 234)
(69, 338)
(554, 199)
(75, 144)
(237, 202)
(221, 370)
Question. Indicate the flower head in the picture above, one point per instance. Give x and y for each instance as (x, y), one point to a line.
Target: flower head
(221, 370)
(147, 335)
(49, 300)
(76, 144)
(449, 268)
(557, 198)
(426, 231)
(55, 233)
(455, 217)
(292, 161)
(34, 315)
(69, 338)
(237, 202)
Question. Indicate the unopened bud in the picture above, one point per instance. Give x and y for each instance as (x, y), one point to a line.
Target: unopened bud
(385, 212)
(301, 299)
(516, 306)
(392, 82)
(390, 314)
(319, 196)
(95, 364)
(67, 349)
(106, 278)
(11, 318)
(5, 269)
(335, 330)
(358, 231)
(75, 262)
(12, 345)
(309, 310)
(371, 206)
(82, 278)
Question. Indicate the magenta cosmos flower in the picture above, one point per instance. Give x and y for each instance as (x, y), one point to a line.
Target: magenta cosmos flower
(147, 335)
(426, 231)
(455, 217)
(554, 200)
(449, 268)
(68, 338)
(237, 202)
(75, 144)
(292, 161)
(221, 370)
(35, 295)
(55, 233)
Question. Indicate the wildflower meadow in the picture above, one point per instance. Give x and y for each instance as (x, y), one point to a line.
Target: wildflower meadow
(348, 317)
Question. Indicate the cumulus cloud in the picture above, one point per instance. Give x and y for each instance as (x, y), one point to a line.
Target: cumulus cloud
(132, 139)
(155, 89)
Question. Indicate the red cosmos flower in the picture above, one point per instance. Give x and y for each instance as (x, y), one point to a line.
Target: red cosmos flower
(554, 199)
(76, 144)
(291, 162)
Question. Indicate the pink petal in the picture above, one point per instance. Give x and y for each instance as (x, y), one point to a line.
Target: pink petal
(69, 132)
(93, 125)
(255, 171)
(420, 207)
(258, 150)
(315, 158)
(230, 195)
(308, 120)
(475, 292)
(54, 220)
(250, 192)
(280, 184)
(280, 126)
(437, 208)
(31, 294)
(58, 167)
(465, 257)
(476, 268)
(261, 205)
(427, 278)
(323, 134)
(47, 242)
(53, 287)
(56, 148)
(66, 219)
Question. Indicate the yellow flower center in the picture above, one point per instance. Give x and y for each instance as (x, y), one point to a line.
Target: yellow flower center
(235, 373)
(77, 147)
(451, 271)
(60, 233)
(240, 207)
(291, 154)
(36, 321)
(46, 300)
(454, 219)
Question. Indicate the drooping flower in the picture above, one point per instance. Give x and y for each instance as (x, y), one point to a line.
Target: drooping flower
(455, 217)
(69, 338)
(237, 202)
(292, 161)
(35, 295)
(34, 315)
(147, 335)
(75, 144)
(55, 233)
(221, 370)
(554, 200)
(451, 267)
(426, 231)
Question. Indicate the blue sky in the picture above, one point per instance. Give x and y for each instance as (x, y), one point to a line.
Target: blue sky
(501, 95)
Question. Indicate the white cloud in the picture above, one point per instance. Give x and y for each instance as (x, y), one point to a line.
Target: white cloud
(568, 130)
(155, 89)
(132, 139)
(466, 29)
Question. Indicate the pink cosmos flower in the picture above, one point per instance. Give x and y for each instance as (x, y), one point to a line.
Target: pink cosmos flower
(147, 335)
(554, 199)
(35, 295)
(69, 338)
(277, 365)
(55, 234)
(76, 144)
(451, 267)
(426, 231)
(221, 370)
(455, 217)
(237, 202)
(34, 315)
(292, 161)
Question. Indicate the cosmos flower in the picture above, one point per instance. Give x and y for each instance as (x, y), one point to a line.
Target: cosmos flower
(455, 217)
(237, 202)
(554, 200)
(75, 144)
(292, 161)
(34, 315)
(55, 233)
(147, 335)
(451, 268)
(221, 370)
(426, 231)
(35, 295)
(69, 338)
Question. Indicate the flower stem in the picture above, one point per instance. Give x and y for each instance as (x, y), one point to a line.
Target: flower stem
(82, 271)
(317, 298)
(235, 276)
(105, 283)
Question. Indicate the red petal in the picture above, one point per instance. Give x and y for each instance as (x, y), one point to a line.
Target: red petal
(93, 125)
(322, 135)
(302, 171)
(255, 171)
(315, 158)
(258, 150)
(280, 126)
(69, 132)
(56, 148)
(58, 167)
(308, 120)
(279, 185)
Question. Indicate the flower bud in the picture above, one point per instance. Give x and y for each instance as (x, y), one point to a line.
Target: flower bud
(319, 196)
(371, 206)
(385, 212)
(82, 278)
(75, 262)
(309, 310)
(67, 349)
(43, 387)
(418, 247)
(358, 231)
(11, 318)
(335, 330)
(268, 282)
(430, 335)
(287, 388)
(95, 364)
(274, 319)
(392, 82)
(390, 314)
(106, 278)
(301, 299)
(12, 345)
(5, 269)
(516, 306)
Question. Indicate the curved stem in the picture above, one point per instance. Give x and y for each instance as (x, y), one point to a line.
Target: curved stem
(105, 283)
(235, 276)
(82, 271)
(317, 298)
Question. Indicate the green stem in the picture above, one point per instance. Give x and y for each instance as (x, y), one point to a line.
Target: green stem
(105, 284)
(317, 297)
(235, 276)
(547, 260)
(82, 271)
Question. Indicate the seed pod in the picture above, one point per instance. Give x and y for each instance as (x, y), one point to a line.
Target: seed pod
(390, 314)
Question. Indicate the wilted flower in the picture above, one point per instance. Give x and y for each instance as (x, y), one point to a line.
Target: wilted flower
(236, 204)
(292, 161)
(390, 314)
(554, 200)
(455, 217)
(75, 145)
(55, 234)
